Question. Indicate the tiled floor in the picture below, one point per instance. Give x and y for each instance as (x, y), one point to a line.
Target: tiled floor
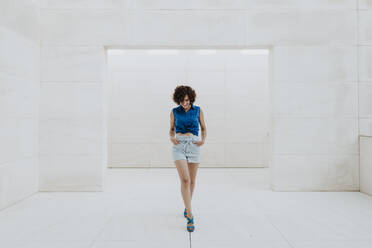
(232, 208)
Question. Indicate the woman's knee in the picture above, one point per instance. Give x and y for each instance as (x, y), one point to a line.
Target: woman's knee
(186, 181)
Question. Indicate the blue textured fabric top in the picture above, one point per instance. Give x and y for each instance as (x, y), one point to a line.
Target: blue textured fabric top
(187, 121)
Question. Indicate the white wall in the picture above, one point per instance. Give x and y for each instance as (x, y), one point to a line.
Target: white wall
(19, 99)
(365, 164)
(73, 143)
(315, 78)
(232, 90)
(365, 94)
(365, 67)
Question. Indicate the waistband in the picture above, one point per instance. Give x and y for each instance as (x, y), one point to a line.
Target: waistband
(186, 137)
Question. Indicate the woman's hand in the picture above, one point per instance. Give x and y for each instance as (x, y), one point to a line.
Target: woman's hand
(199, 142)
(174, 140)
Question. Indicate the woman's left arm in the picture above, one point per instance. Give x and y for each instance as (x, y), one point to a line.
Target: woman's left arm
(202, 126)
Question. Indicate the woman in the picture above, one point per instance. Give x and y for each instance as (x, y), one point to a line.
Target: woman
(184, 121)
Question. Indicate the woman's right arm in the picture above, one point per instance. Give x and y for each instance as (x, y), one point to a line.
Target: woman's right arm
(171, 130)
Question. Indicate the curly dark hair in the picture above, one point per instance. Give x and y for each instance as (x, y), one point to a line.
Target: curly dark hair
(181, 91)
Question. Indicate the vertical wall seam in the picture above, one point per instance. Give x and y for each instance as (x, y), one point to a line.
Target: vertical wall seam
(358, 101)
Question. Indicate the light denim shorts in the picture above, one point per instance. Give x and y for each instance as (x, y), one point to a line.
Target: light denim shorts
(186, 149)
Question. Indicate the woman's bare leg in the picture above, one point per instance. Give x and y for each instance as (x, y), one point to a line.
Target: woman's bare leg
(184, 175)
(193, 168)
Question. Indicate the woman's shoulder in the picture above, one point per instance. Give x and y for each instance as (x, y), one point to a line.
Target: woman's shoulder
(175, 108)
(197, 107)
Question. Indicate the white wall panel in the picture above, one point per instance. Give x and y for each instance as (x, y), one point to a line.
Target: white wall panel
(82, 27)
(80, 4)
(331, 136)
(247, 129)
(239, 106)
(365, 4)
(70, 137)
(213, 154)
(320, 99)
(133, 154)
(208, 83)
(64, 63)
(208, 60)
(18, 96)
(365, 126)
(365, 164)
(365, 27)
(241, 154)
(23, 18)
(365, 63)
(186, 28)
(71, 100)
(212, 104)
(19, 139)
(301, 27)
(19, 100)
(70, 173)
(314, 64)
(244, 4)
(19, 56)
(365, 100)
(321, 172)
(72, 95)
(137, 132)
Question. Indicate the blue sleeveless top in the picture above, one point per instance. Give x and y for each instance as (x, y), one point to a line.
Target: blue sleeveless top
(187, 122)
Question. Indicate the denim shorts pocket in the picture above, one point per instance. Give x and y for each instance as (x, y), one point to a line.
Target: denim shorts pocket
(196, 147)
(176, 145)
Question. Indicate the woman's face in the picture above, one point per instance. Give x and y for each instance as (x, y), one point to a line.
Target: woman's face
(186, 102)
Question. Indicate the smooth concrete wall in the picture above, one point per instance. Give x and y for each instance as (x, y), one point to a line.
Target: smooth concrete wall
(19, 99)
(365, 94)
(365, 67)
(365, 164)
(320, 79)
